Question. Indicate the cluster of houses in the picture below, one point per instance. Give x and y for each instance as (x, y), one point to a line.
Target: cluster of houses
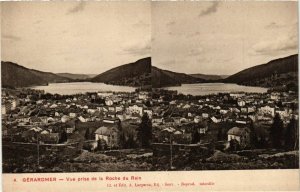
(106, 118)
(209, 115)
(96, 118)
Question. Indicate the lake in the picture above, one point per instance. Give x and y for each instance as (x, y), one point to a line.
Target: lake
(214, 88)
(82, 87)
(192, 89)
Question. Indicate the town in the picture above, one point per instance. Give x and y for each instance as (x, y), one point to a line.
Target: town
(41, 125)
(142, 131)
(207, 131)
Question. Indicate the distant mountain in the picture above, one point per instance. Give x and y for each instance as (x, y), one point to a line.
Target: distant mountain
(50, 77)
(164, 78)
(141, 73)
(209, 77)
(76, 76)
(281, 72)
(278, 72)
(133, 74)
(14, 75)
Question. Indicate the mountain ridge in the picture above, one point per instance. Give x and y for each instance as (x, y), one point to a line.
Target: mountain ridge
(277, 72)
(76, 76)
(15, 75)
(134, 74)
(138, 74)
(209, 76)
(164, 78)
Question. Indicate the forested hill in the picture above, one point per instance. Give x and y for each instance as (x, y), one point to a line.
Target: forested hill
(14, 75)
(132, 74)
(276, 73)
(164, 78)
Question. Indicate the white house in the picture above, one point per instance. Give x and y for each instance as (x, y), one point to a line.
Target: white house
(3, 109)
(72, 115)
(241, 103)
(157, 120)
(14, 104)
(108, 134)
(275, 96)
(104, 94)
(216, 120)
(53, 106)
(283, 113)
(237, 95)
(143, 95)
(149, 112)
(186, 106)
(135, 109)
(197, 119)
(205, 115)
(109, 102)
(224, 111)
(241, 135)
(65, 118)
(267, 110)
(91, 111)
(82, 119)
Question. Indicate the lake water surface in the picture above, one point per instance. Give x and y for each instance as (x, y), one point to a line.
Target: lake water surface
(193, 89)
(82, 87)
(214, 88)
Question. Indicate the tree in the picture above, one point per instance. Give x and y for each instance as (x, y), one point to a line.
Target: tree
(101, 144)
(220, 135)
(87, 134)
(119, 125)
(291, 135)
(261, 143)
(212, 146)
(292, 86)
(195, 137)
(234, 145)
(148, 103)
(144, 131)
(253, 136)
(63, 137)
(276, 131)
(130, 143)
(122, 140)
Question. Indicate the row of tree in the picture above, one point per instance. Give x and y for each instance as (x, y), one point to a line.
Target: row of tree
(287, 138)
(142, 139)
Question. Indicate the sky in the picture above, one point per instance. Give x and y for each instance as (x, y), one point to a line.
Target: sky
(191, 37)
(222, 37)
(75, 37)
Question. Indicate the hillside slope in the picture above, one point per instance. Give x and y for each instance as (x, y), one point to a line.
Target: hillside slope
(278, 72)
(209, 77)
(14, 75)
(163, 78)
(132, 74)
(50, 77)
(76, 76)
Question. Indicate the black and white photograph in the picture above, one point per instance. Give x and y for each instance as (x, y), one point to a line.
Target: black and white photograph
(225, 85)
(149, 86)
(76, 87)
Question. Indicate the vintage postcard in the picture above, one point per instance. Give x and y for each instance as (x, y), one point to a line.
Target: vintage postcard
(149, 96)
